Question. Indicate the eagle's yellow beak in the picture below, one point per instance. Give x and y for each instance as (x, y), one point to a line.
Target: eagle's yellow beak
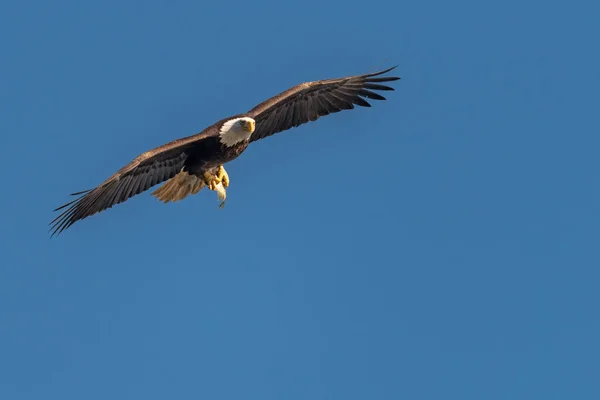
(249, 126)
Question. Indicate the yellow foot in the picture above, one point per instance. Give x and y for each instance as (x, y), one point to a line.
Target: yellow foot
(211, 180)
(222, 175)
(218, 183)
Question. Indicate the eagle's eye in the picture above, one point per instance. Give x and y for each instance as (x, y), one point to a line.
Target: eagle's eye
(242, 122)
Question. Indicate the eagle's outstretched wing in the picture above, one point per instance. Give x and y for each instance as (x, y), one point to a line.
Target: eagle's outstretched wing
(146, 170)
(311, 100)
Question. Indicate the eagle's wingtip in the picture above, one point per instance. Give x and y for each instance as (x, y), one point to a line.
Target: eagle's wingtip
(381, 72)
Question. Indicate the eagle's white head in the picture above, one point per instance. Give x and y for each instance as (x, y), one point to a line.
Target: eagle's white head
(236, 130)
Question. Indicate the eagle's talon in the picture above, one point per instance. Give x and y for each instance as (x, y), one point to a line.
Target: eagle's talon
(207, 178)
(212, 181)
(223, 176)
(213, 184)
(217, 183)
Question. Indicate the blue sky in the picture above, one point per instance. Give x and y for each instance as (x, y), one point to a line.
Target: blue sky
(442, 244)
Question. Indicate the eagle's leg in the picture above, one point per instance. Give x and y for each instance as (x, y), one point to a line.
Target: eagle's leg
(217, 183)
(211, 180)
(222, 174)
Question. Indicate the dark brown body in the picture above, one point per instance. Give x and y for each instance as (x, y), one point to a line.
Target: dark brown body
(210, 154)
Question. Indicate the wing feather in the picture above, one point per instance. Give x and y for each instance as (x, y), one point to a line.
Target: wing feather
(370, 95)
(312, 108)
(339, 101)
(142, 173)
(312, 100)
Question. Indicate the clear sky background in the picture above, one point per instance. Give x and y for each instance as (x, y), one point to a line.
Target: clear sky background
(442, 244)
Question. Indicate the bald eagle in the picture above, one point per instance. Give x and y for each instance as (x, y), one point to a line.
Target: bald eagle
(192, 163)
